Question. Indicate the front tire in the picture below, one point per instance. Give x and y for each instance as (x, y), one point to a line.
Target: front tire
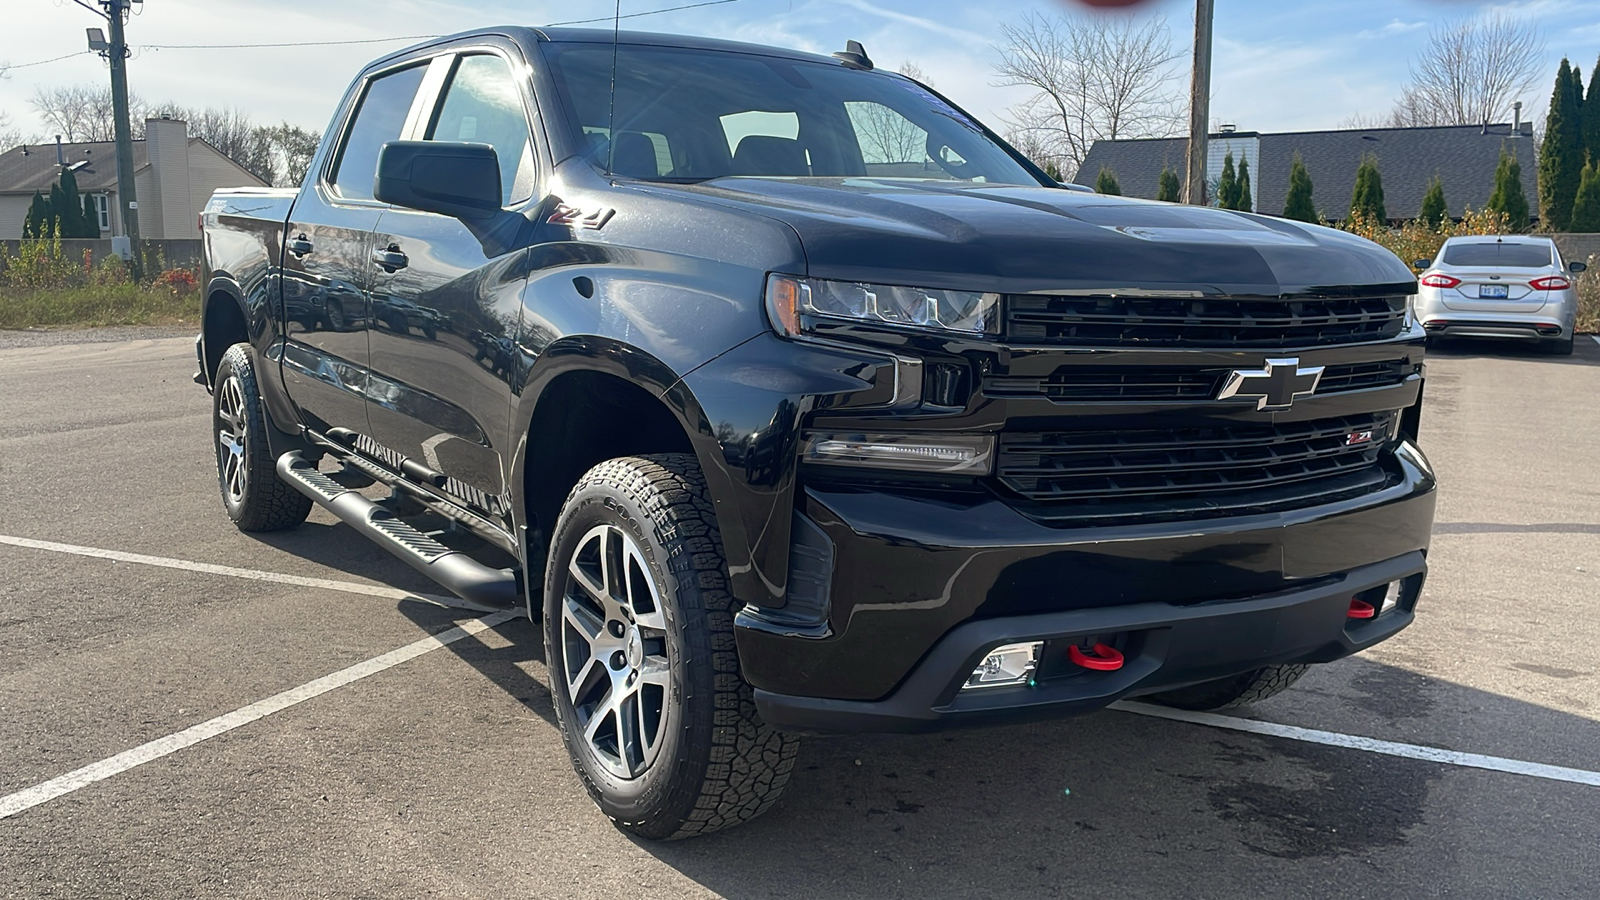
(658, 721)
(1240, 690)
(251, 493)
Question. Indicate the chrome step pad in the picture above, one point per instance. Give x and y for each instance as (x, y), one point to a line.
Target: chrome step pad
(456, 571)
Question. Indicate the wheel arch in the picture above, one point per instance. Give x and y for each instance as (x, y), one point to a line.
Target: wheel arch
(223, 323)
(589, 399)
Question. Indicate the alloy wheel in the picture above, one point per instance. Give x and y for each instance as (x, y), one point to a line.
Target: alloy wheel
(614, 652)
(232, 434)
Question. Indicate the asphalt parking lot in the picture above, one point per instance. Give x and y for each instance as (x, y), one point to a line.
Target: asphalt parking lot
(131, 612)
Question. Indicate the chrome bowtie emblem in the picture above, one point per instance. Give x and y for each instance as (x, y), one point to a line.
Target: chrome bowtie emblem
(1275, 387)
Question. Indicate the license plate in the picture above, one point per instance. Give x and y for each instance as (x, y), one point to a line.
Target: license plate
(1492, 292)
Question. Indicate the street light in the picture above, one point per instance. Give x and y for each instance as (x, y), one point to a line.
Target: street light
(97, 40)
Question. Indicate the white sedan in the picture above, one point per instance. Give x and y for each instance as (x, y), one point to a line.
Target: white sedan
(1510, 286)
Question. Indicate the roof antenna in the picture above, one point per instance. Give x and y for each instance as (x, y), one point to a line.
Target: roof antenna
(854, 56)
(611, 117)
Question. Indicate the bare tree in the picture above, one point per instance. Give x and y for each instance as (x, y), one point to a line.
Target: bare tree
(1362, 121)
(292, 148)
(1036, 145)
(1095, 77)
(914, 72)
(10, 134)
(887, 137)
(82, 112)
(1470, 72)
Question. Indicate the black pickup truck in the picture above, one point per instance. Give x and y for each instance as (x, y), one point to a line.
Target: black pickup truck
(791, 399)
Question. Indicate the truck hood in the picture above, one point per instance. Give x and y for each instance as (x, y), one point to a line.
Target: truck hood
(961, 236)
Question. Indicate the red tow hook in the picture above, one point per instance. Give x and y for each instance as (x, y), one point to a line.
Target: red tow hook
(1361, 609)
(1105, 659)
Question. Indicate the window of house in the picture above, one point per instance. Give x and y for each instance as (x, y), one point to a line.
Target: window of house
(102, 202)
(378, 120)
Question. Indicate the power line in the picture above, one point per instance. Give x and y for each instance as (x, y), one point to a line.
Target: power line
(51, 60)
(406, 37)
(385, 40)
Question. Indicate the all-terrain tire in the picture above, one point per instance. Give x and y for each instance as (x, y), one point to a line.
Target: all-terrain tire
(717, 764)
(253, 496)
(1240, 690)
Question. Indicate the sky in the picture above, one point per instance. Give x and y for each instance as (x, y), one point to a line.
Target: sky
(1279, 65)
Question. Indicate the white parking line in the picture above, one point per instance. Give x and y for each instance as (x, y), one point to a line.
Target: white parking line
(1370, 745)
(42, 793)
(349, 587)
(72, 781)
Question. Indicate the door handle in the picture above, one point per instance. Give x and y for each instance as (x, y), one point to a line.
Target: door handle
(298, 246)
(390, 259)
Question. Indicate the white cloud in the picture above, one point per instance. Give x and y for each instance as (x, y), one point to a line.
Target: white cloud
(956, 34)
(1395, 27)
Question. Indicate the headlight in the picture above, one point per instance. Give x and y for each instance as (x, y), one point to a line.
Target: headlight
(790, 301)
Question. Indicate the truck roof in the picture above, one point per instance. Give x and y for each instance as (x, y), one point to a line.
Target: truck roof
(528, 36)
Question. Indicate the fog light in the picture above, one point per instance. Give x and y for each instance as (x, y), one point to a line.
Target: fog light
(1009, 664)
(1391, 597)
(950, 453)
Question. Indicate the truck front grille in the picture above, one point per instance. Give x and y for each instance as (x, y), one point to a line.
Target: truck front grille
(1111, 384)
(1106, 321)
(1206, 468)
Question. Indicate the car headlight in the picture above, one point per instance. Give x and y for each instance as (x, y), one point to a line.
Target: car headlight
(792, 301)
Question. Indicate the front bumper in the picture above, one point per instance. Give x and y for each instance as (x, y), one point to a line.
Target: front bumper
(1165, 647)
(923, 589)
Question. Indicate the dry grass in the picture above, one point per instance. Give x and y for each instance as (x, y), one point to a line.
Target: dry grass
(95, 305)
(1589, 299)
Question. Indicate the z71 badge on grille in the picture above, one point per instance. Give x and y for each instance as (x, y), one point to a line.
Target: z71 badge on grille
(1275, 387)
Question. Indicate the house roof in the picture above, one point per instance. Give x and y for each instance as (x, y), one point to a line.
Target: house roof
(30, 168)
(1463, 156)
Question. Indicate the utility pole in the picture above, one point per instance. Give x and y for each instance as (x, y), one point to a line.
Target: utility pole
(116, 53)
(1194, 188)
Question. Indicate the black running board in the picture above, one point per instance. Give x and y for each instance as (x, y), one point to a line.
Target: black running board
(459, 573)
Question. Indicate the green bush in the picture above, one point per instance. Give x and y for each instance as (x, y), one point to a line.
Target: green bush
(44, 286)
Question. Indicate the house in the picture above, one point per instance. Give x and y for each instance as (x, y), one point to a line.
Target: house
(1463, 156)
(174, 175)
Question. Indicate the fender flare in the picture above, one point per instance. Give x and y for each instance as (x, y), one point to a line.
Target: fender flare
(229, 288)
(627, 363)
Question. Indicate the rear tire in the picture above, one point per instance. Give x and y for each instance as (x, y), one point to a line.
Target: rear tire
(638, 620)
(1558, 347)
(1240, 690)
(246, 472)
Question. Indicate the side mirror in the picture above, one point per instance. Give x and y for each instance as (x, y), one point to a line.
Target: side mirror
(1421, 263)
(1575, 268)
(459, 180)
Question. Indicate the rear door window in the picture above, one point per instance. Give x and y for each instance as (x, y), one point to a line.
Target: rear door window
(1492, 254)
(379, 119)
(483, 105)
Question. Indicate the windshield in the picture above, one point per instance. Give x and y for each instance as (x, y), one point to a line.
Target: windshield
(1498, 255)
(689, 115)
